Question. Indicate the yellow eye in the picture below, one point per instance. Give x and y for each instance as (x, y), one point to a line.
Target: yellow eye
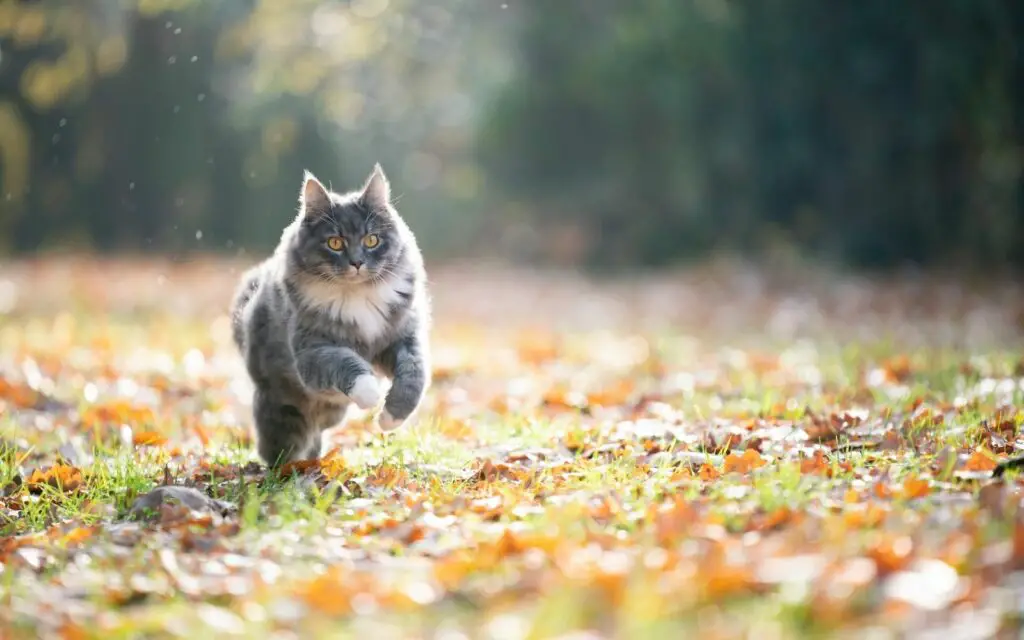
(371, 240)
(335, 243)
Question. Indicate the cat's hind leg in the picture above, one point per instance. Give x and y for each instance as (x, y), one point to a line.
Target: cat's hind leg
(283, 434)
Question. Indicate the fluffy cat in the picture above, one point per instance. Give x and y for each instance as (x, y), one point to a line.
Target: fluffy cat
(342, 299)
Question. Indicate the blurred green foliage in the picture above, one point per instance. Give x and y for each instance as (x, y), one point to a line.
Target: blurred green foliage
(599, 131)
(178, 125)
(867, 132)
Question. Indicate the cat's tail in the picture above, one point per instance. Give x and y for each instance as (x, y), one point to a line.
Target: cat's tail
(243, 294)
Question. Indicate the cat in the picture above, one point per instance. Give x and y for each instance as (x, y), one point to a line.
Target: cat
(342, 298)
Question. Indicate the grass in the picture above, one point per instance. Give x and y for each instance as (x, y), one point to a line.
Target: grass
(629, 480)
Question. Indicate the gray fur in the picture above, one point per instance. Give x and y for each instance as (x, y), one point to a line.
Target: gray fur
(310, 323)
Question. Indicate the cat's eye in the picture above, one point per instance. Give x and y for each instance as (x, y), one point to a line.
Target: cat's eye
(335, 243)
(371, 241)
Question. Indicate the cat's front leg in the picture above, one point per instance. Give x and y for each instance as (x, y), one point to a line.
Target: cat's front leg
(407, 362)
(328, 370)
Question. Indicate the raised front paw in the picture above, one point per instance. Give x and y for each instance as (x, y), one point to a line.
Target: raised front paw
(366, 392)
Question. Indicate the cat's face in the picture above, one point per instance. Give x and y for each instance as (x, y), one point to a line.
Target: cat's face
(348, 238)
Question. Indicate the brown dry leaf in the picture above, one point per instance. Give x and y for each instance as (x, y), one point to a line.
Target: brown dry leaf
(1018, 543)
(897, 369)
(825, 429)
(299, 467)
(489, 471)
(490, 508)
(672, 520)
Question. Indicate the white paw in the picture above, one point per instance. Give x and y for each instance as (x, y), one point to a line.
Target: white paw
(388, 422)
(366, 392)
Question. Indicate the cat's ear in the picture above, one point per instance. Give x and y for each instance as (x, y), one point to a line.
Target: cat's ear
(377, 190)
(314, 197)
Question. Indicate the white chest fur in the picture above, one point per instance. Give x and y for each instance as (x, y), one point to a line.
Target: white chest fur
(364, 307)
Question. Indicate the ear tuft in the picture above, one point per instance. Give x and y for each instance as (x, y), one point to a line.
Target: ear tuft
(377, 191)
(314, 197)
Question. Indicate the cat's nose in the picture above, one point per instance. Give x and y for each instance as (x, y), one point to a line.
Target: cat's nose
(356, 263)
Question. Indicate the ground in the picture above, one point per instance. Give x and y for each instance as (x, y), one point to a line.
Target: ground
(714, 451)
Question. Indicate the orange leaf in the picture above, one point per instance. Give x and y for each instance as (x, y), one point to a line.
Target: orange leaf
(148, 439)
(891, 553)
(451, 571)
(980, 460)
(326, 593)
(682, 473)
(508, 544)
(617, 394)
(387, 475)
(818, 463)
(333, 467)
(456, 429)
(71, 631)
(872, 516)
(203, 434)
(536, 348)
(897, 369)
(117, 412)
(882, 490)
(745, 463)
(78, 534)
(490, 471)
(60, 476)
(561, 397)
(707, 472)
(914, 487)
(774, 519)
(21, 396)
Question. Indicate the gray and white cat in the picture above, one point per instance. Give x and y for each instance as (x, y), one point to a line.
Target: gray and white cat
(341, 299)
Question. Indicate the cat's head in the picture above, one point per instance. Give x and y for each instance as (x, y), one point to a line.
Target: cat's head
(348, 238)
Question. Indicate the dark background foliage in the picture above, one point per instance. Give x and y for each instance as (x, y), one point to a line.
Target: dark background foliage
(599, 132)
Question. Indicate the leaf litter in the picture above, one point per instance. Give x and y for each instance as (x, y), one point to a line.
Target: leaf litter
(662, 457)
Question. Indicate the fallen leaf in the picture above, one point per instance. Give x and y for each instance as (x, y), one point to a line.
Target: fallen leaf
(914, 487)
(63, 477)
(148, 439)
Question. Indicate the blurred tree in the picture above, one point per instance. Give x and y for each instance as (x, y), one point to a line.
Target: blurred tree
(156, 125)
(866, 132)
